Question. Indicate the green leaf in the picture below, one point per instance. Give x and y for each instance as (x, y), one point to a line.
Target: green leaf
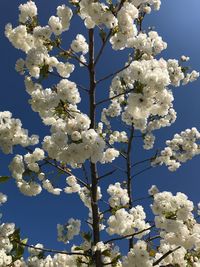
(77, 248)
(4, 179)
(24, 241)
(87, 236)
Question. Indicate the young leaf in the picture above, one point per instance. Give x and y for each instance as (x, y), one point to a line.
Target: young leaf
(4, 179)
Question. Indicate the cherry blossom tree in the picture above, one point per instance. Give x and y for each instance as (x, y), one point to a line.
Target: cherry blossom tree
(80, 145)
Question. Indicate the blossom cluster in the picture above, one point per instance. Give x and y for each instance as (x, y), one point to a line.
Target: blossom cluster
(25, 169)
(129, 222)
(68, 231)
(182, 147)
(143, 88)
(12, 133)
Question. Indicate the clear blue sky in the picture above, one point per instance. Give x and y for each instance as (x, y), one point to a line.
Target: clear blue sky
(178, 23)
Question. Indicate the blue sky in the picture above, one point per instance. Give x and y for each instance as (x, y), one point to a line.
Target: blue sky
(178, 23)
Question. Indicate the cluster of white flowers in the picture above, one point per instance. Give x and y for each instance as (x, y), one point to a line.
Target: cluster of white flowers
(69, 230)
(83, 144)
(150, 44)
(12, 133)
(46, 184)
(138, 256)
(118, 195)
(62, 21)
(5, 260)
(96, 13)
(21, 166)
(37, 43)
(147, 3)
(143, 86)
(127, 29)
(182, 147)
(174, 216)
(27, 11)
(127, 223)
(80, 44)
(67, 91)
(38, 58)
(178, 226)
(27, 165)
(73, 187)
(190, 77)
(153, 190)
(116, 136)
(148, 139)
(6, 229)
(3, 198)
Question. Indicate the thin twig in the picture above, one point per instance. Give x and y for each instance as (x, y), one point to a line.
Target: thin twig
(85, 173)
(50, 250)
(122, 154)
(165, 255)
(130, 235)
(142, 161)
(65, 170)
(59, 76)
(114, 73)
(119, 168)
(105, 211)
(153, 238)
(107, 174)
(73, 55)
(142, 198)
(113, 97)
(102, 47)
(140, 172)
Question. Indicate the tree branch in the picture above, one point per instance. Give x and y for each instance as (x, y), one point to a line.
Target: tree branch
(140, 172)
(50, 250)
(107, 174)
(113, 97)
(93, 167)
(65, 170)
(114, 73)
(165, 255)
(131, 235)
(142, 161)
(59, 76)
(72, 54)
(102, 47)
(128, 169)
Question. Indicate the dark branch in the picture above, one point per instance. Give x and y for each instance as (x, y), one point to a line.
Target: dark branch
(50, 250)
(114, 73)
(165, 255)
(128, 171)
(113, 97)
(142, 171)
(131, 235)
(107, 174)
